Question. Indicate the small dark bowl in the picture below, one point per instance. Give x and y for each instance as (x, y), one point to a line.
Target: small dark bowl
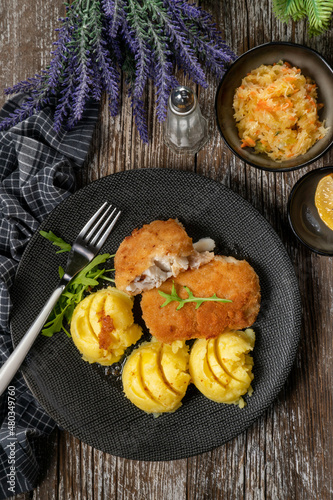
(303, 215)
(311, 64)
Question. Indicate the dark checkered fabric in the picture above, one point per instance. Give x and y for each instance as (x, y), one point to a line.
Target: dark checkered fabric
(37, 172)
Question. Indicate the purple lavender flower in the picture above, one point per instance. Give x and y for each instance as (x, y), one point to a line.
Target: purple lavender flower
(139, 115)
(145, 39)
(61, 52)
(114, 11)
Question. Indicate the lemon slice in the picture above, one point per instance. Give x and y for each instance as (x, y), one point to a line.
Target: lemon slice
(324, 200)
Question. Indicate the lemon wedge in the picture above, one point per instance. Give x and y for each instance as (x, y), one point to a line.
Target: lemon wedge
(324, 200)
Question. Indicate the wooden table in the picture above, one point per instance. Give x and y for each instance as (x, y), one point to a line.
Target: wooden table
(287, 453)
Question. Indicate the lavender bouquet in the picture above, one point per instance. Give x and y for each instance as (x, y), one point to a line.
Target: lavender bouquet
(145, 39)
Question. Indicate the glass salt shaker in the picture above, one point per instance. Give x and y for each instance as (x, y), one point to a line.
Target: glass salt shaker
(185, 129)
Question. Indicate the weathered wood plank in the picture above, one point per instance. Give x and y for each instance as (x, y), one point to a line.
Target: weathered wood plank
(287, 453)
(27, 30)
(143, 480)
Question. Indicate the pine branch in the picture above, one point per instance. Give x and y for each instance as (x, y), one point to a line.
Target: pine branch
(317, 12)
(286, 9)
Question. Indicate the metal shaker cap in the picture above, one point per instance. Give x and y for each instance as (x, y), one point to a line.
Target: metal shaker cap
(182, 100)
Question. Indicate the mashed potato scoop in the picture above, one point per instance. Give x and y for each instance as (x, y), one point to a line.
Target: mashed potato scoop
(221, 368)
(155, 377)
(103, 327)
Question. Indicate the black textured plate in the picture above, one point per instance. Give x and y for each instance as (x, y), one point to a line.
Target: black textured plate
(88, 402)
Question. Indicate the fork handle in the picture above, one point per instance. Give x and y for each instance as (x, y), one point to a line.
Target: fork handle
(13, 363)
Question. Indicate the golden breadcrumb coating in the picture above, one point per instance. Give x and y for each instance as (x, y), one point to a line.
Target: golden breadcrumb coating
(229, 278)
(152, 254)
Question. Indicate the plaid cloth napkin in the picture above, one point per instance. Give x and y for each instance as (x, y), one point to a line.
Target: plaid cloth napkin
(37, 171)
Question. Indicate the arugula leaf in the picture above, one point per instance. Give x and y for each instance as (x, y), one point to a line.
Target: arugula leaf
(73, 294)
(56, 324)
(174, 297)
(75, 291)
(55, 240)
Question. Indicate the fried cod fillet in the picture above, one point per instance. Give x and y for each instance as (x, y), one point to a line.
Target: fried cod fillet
(154, 253)
(229, 278)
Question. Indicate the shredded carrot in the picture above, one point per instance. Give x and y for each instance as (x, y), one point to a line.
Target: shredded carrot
(251, 142)
(248, 142)
(264, 105)
(287, 104)
(309, 87)
(276, 111)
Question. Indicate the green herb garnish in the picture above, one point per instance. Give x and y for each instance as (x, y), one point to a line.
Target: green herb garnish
(55, 240)
(174, 297)
(74, 292)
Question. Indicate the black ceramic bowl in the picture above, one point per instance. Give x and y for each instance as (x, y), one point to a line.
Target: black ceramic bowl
(311, 64)
(303, 215)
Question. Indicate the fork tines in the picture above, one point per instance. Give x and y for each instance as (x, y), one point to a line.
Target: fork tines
(100, 225)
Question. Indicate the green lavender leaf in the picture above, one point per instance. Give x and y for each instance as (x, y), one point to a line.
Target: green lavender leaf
(174, 297)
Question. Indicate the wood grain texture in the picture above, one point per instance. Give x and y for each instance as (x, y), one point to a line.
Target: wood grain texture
(287, 453)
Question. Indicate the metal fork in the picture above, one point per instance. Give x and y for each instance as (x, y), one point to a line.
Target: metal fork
(86, 246)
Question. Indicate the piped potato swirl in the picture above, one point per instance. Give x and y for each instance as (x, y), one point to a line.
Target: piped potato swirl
(102, 326)
(155, 377)
(221, 368)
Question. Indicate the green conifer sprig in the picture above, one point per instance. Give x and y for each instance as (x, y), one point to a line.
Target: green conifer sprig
(317, 12)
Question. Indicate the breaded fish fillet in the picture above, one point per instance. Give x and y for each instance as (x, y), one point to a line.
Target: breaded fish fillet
(154, 253)
(229, 278)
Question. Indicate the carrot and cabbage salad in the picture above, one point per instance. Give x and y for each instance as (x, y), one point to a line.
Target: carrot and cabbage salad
(276, 111)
